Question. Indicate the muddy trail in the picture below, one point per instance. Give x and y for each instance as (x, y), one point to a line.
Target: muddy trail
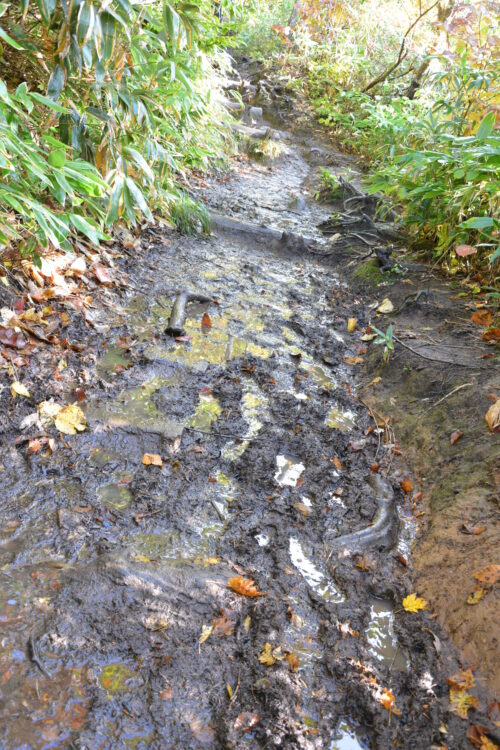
(118, 627)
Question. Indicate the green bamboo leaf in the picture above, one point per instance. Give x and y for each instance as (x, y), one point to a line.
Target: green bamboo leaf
(108, 26)
(9, 40)
(171, 23)
(56, 83)
(486, 126)
(139, 198)
(47, 8)
(88, 228)
(114, 201)
(85, 23)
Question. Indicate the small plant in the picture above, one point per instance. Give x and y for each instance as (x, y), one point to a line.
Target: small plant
(331, 188)
(386, 339)
(189, 216)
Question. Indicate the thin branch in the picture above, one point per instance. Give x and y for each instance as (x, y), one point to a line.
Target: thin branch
(403, 52)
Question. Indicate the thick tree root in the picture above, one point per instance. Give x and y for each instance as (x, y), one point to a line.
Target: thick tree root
(178, 315)
(261, 233)
(382, 533)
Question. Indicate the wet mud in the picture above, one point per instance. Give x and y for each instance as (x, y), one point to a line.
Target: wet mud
(117, 625)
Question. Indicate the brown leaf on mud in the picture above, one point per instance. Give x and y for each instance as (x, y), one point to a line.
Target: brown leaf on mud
(481, 317)
(152, 459)
(463, 680)
(203, 733)
(353, 360)
(206, 320)
(223, 625)
(402, 559)
(364, 563)
(492, 334)
(493, 417)
(387, 700)
(337, 463)
(294, 661)
(488, 575)
(167, 693)
(461, 702)
(10, 337)
(476, 596)
(476, 734)
(464, 250)
(406, 485)
(245, 721)
(467, 528)
(244, 586)
(455, 436)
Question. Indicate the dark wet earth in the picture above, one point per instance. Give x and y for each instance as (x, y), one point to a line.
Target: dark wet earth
(117, 625)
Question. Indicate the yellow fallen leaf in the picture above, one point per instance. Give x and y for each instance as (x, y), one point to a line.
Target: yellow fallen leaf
(460, 702)
(246, 623)
(353, 360)
(412, 603)
(475, 596)
(385, 307)
(229, 690)
(374, 381)
(152, 459)
(269, 656)
(70, 420)
(369, 336)
(206, 632)
(18, 389)
(493, 417)
(351, 325)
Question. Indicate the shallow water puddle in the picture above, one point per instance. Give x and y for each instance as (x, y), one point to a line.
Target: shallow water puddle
(313, 576)
(289, 472)
(381, 637)
(135, 408)
(340, 420)
(113, 359)
(345, 739)
(207, 411)
(252, 404)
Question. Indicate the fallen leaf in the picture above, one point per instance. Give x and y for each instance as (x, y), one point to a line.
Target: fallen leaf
(487, 744)
(223, 625)
(455, 436)
(102, 274)
(466, 528)
(413, 603)
(269, 656)
(463, 680)
(364, 563)
(206, 632)
(493, 417)
(461, 702)
(370, 337)
(492, 334)
(481, 318)
(353, 360)
(351, 325)
(18, 389)
(488, 575)
(402, 560)
(387, 700)
(337, 463)
(476, 596)
(203, 733)
(246, 623)
(385, 307)
(406, 485)
(167, 693)
(10, 337)
(245, 721)
(244, 586)
(475, 734)
(152, 459)
(294, 661)
(464, 250)
(70, 420)
(229, 690)
(206, 320)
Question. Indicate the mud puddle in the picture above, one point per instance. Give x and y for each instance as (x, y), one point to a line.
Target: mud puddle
(117, 625)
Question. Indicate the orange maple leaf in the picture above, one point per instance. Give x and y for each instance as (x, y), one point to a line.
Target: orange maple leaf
(244, 586)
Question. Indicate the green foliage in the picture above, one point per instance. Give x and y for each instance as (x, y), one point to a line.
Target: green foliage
(386, 339)
(331, 188)
(189, 216)
(122, 102)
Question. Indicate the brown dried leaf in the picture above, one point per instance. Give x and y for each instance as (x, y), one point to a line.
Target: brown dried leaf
(493, 417)
(481, 317)
(464, 250)
(455, 436)
(244, 586)
(492, 334)
(294, 661)
(223, 625)
(10, 337)
(337, 463)
(387, 700)
(463, 680)
(488, 575)
(206, 320)
(245, 721)
(102, 274)
(467, 528)
(406, 485)
(152, 459)
(353, 360)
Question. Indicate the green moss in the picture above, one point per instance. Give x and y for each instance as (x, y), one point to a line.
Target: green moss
(369, 273)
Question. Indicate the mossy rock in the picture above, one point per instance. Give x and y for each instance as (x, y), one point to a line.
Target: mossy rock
(369, 273)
